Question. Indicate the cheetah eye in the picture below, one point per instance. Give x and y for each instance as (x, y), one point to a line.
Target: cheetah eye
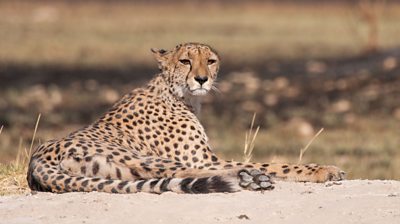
(185, 61)
(211, 61)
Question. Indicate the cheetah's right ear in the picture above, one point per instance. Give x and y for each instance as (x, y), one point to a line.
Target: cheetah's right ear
(162, 56)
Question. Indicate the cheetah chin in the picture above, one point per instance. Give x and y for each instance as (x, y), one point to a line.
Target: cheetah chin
(199, 92)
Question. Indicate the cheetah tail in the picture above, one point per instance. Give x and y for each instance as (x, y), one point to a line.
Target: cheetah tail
(52, 180)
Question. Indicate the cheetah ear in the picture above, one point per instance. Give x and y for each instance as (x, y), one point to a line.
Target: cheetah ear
(162, 56)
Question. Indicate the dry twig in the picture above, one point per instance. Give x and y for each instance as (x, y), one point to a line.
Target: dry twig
(303, 150)
(250, 140)
(28, 154)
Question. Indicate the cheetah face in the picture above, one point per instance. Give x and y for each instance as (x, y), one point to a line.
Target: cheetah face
(189, 69)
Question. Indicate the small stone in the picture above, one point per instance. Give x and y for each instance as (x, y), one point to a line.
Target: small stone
(243, 216)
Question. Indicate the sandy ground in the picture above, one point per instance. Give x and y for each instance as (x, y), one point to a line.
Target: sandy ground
(353, 201)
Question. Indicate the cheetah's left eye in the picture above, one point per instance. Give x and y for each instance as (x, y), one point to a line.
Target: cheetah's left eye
(211, 61)
(185, 61)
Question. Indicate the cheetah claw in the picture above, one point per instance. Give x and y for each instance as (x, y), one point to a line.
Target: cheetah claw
(255, 180)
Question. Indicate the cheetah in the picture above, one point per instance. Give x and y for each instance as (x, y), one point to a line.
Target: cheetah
(152, 141)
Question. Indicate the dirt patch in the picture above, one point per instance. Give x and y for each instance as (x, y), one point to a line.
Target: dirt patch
(356, 201)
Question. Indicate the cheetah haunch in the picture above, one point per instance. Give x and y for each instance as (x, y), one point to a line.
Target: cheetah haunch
(152, 141)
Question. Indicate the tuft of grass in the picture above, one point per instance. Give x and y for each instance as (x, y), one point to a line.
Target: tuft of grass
(13, 175)
(13, 179)
(250, 141)
(303, 150)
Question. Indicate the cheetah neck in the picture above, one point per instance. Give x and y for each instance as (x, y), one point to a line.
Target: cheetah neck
(160, 88)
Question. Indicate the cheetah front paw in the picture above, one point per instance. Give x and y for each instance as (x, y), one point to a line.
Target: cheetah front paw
(255, 180)
(329, 173)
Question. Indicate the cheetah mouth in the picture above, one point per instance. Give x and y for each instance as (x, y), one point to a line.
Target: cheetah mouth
(199, 92)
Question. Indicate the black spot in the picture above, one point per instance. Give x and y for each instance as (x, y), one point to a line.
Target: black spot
(134, 173)
(100, 186)
(95, 168)
(153, 184)
(139, 185)
(109, 182)
(115, 153)
(85, 183)
(286, 170)
(228, 166)
(83, 169)
(122, 184)
(214, 158)
(185, 184)
(118, 172)
(67, 181)
(66, 145)
(60, 177)
(113, 190)
(299, 171)
(164, 185)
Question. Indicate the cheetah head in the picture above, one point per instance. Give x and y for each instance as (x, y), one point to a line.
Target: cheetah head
(190, 68)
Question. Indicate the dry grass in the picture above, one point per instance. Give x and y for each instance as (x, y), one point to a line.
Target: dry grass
(13, 179)
(303, 150)
(13, 175)
(249, 142)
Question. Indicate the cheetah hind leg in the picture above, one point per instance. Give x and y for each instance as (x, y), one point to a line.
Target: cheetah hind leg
(254, 180)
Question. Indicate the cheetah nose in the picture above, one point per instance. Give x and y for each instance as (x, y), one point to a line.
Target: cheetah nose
(201, 79)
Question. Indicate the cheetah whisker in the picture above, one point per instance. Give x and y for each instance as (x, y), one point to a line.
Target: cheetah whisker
(215, 89)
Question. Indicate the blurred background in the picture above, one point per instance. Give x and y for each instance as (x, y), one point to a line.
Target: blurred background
(299, 65)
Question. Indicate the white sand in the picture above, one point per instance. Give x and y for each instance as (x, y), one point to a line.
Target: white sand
(351, 202)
